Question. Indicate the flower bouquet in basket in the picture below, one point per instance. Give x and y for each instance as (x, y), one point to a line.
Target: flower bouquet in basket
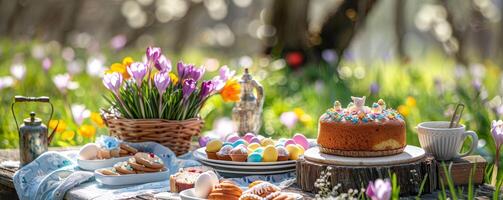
(150, 103)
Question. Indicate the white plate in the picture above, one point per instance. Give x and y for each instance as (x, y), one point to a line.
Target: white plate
(200, 154)
(129, 179)
(91, 165)
(244, 167)
(189, 195)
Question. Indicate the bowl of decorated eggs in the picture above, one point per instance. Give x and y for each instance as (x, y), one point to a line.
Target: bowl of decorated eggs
(251, 154)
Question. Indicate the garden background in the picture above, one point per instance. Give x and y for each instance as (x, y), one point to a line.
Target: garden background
(421, 57)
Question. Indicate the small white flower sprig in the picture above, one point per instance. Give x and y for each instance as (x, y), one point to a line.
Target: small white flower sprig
(327, 192)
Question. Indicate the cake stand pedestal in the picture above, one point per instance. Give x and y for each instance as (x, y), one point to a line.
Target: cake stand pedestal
(411, 167)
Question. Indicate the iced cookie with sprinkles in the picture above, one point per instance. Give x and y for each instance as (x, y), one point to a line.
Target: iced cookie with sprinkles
(140, 167)
(149, 160)
(361, 131)
(124, 168)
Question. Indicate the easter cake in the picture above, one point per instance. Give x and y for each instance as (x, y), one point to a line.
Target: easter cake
(361, 131)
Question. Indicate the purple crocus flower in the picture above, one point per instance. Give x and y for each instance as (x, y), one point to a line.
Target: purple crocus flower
(189, 71)
(374, 88)
(137, 70)
(163, 64)
(161, 81)
(46, 63)
(206, 89)
(189, 86)
(113, 82)
(497, 133)
(225, 74)
(379, 190)
(153, 53)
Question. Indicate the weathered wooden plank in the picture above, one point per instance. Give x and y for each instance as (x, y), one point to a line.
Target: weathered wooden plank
(461, 168)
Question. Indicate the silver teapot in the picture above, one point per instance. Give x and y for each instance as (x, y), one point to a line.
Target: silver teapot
(247, 113)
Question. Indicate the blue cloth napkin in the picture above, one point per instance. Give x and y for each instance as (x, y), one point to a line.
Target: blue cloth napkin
(52, 174)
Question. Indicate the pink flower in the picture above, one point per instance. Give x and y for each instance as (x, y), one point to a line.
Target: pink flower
(289, 119)
(497, 133)
(46, 63)
(64, 82)
(113, 82)
(161, 81)
(118, 42)
(137, 70)
(6, 81)
(379, 190)
(225, 74)
(18, 71)
(79, 113)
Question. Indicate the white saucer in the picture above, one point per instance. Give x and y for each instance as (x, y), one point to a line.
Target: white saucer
(410, 154)
(91, 165)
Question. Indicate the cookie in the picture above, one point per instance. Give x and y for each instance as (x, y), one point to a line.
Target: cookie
(114, 153)
(263, 189)
(140, 167)
(283, 196)
(149, 160)
(128, 148)
(109, 172)
(124, 168)
(104, 154)
(250, 197)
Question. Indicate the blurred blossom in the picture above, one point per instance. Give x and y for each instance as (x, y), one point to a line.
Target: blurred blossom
(374, 88)
(224, 75)
(153, 53)
(74, 67)
(87, 131)
(231, 91)
(79, 113)
(46, 63)
(64, 83)
(163, 64)
(481, 143)
(97, 119)
(329, 55)
(68, 54)
(242, 3)
(211, 64)
(477, 70)
(118, 41)
(68, 135)
(459, 71)
(438, 85)
(278, 64)
(223, 126)
(289, 119)
(6, 81)
(113, 82)
(245, 61)
(18, 71)
(319, 86)
(477, 85)
(349, 55)
(38, 51)
(95, 67)
(379, 190)
(217, 9)
(294, 59)
(61, 125)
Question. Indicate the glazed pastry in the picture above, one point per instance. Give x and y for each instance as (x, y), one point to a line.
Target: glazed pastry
(149, 160)
(283, 154)
(212, 148)
(226, 190)
(124, 168)
(273, 195)
(283, 196)
(263, 189)
(254, 183)
(185, 178)
(223, 154)
(239, 153)
(109, 172)
(250, 197)
(143, 168)
(270, 154)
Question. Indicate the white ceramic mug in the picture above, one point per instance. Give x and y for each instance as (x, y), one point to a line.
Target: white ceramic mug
(443, 142)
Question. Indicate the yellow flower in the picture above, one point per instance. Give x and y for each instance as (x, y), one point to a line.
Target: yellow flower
(303, 116)
(403, 110)
(127, 61)
(87, 131)
(174, 78)
(68, 135)
(118, 67)
(61, 125)
(411, 102)
(96, 118)
(231, 91)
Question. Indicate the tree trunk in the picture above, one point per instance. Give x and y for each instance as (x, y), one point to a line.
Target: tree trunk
(399, 29)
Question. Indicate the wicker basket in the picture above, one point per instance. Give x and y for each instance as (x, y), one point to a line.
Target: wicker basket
(174, 134)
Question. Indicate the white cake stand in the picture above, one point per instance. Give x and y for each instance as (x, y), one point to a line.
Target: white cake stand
(410, 154)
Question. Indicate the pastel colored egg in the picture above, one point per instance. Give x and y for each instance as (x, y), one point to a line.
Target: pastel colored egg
(226, 143)
(89, 151)
(247, 137)
(233, 138)
(270, 154)
(204, 140)
(205, 183)
(289, 141)
(266, 142)
(255, 157)
(252, 147)
(259, 150)
(301, 148)
(302, 140)
(239, 142)
(214, 146)
(294, 151)
(255, 140)
(282, 140)
(260, 137)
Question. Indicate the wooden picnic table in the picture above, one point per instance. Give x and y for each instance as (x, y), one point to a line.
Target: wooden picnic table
(7, 190)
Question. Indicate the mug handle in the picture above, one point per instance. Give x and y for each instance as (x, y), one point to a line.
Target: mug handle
(475, 140)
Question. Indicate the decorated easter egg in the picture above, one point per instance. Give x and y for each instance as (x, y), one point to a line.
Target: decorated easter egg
(233, 138)
(255, 140)
(301, 148)
(247, 137)
(301, 140)
(226, 144)
(266, 142)
(289, 141)
(239, 142)
(294, 151)
(259, 150)
(214, 145)
(270, 154)
(252, 147)
(255, 157)
(204, 140)
(89, 151)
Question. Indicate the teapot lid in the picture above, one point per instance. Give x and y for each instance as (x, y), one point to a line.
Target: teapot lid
(32, 121)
